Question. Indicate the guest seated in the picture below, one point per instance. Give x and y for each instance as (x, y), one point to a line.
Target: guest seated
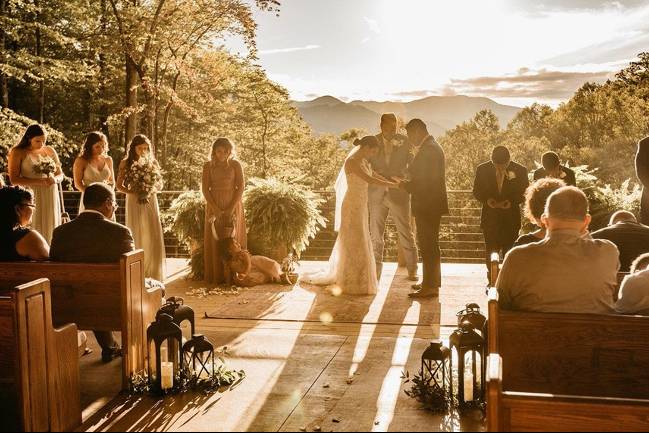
(634, 293)
(246, 270)
(17, 240)
(567, 272)
(536, 197)
(630, 237)
(94, 238)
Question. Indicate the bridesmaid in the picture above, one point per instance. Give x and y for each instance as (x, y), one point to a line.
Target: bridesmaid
(143, 218)
(223, 186)
(22, 159)
(93, 164)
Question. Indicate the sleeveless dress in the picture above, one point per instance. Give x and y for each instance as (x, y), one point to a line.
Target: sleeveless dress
(352, 266)
(222, 181)
(145, 225)
(47, 214)
(92, 175)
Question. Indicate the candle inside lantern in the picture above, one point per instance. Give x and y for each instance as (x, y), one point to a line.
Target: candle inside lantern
(167, 375)
(468, 387)
(164, 357)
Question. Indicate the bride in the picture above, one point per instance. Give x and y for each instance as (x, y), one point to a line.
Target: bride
(352, 267)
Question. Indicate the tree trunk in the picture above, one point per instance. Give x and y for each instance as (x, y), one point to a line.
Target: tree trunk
(41, 84)
(103, 78)
(4, 82)
(131, 100)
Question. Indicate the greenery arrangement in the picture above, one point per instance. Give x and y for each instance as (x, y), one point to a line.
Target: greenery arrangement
(186, 219)
(431, 397)
(220, 379)
(282, 215)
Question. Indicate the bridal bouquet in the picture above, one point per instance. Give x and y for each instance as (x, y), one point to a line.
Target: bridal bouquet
(45, 166)
(145, 178)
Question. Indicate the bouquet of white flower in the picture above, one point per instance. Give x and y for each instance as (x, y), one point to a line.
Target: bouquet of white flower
(45, 166)
(145, 178)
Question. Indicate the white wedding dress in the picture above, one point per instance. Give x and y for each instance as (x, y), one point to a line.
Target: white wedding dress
(351, 267)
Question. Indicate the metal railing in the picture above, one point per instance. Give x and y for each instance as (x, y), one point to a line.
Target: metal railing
(461, 237)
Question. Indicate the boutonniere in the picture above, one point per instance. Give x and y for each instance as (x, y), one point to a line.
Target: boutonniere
(511, 175)
(396, 143)
(414, 151)
(563, 175)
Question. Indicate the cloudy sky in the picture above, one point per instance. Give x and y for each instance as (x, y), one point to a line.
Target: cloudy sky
(515, 51)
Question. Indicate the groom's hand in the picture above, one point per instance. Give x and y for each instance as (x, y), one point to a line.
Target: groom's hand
(492, 203)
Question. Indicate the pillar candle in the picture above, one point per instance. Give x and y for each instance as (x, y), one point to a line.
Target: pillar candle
(167, 377)
(468, 387)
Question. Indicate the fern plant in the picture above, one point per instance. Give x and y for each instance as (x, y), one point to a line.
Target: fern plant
(282, 214)
(186, 219)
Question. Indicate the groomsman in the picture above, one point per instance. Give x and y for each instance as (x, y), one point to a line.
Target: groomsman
(427, 186)
(552, 168)
(392, 162)
(500, 186)
(642, 170)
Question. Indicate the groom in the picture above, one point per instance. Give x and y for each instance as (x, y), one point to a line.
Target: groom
(427, 186)
(392, 161)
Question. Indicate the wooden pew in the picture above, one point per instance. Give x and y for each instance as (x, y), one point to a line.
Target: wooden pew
(101, 297)
(567, 372)
(39, 365)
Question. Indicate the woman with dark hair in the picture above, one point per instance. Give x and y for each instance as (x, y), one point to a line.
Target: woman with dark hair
(17, 241)
(93, 165)
(35, 165)
(143, 217)
(223, 187)
(536, 196)
(352, 266)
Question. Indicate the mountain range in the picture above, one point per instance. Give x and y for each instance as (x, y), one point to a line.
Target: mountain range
(327, 114)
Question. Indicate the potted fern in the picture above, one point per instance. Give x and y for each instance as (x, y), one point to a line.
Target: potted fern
(186, 219)
(282, 217)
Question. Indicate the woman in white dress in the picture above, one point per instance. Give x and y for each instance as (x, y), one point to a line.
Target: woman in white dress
(352, 266)
(143, 218)
(93, 165)
(23, 160)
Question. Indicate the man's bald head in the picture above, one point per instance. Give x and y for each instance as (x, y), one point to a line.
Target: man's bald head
(567, 209)
(568, 203)
(623, 216)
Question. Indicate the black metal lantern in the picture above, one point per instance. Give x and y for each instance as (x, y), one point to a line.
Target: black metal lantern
(164, 331)
(472, 315)
(436, 369)
(468, 343)
(176, 308)
(199, 357)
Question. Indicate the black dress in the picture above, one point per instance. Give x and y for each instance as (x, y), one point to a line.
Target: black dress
(8, 243)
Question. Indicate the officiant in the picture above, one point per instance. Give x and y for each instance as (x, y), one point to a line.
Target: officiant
(392, 162)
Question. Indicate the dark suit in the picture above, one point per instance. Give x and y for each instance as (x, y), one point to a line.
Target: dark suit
(570, 179)
(91, 238)
(500, 226)
(390, 201)
(631, 239)
(642, 170)
(427, 186)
